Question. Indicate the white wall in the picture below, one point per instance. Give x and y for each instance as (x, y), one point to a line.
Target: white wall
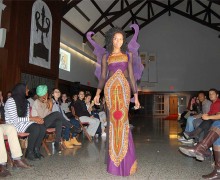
(82, 69)
(188, 53)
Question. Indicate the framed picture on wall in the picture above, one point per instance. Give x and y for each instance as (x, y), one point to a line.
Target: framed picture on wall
(65, 58)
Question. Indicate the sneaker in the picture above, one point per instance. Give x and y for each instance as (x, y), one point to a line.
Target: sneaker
(186, 134)
(181, 138)
(68, 144)
(57, 146)
(74, 142)
(103, 134)
(190, 141)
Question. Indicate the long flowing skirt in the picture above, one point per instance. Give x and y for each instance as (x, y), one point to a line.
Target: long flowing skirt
(121, 152)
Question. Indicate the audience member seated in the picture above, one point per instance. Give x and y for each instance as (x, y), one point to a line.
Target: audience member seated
(84, 116)
(2, 115)
(32, 97)
(102, 114)
(93, 111)
(56, 107)
(10, 131)
(42, 108)
(74, 98)
(17, 113)
(200, 151)
(9, 93)
(206, 124)
(65, 104)
(195, 120)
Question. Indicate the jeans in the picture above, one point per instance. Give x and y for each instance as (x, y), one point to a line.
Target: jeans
(66, 133)
(36, 136)
(216, 124)
(189, 124)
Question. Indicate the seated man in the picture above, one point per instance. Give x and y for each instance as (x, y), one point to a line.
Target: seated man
(195, 120)
(200, 151)
(10, 131)
(206, 124)
(84, 116)
(42, 108)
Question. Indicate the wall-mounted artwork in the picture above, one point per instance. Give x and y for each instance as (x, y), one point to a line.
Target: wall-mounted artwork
(41, 35)
(64, 60)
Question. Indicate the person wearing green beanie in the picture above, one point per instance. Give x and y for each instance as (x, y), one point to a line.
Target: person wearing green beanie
(42, 108)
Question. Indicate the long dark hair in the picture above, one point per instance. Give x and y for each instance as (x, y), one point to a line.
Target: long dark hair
(109, 39)
(19, 96)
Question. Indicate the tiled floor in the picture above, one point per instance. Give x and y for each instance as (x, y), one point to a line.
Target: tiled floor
(156, 149)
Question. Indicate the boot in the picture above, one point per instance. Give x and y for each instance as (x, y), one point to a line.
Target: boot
(68, 144)
(194, 134)
(30, 155)
(215, 174)
(200, 151)
(37, 153)
(21, 163)
(74, 141)
(3, 171)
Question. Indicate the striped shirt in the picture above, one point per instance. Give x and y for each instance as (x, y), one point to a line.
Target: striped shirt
(11, 116)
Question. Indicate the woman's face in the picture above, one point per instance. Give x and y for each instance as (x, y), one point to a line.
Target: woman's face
(117, 40)
(56, 93)
(88, 99)
(75, 97)
(64, 97)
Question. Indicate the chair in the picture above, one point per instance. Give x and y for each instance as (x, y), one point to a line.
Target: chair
(81, 124)
(44, 143)
(23, 148)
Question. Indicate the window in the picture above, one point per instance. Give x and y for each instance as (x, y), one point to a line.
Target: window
(158, 104)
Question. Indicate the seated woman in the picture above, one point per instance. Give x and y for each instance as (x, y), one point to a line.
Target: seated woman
(10, 131)
(65, 105)
(93, 111)
(42, 108)
(56, 107)
(17, 113)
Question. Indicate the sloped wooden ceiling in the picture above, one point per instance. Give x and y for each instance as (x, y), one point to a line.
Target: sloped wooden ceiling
(99, 15)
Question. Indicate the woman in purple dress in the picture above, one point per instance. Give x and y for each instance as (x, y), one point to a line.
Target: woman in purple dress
(117, 68)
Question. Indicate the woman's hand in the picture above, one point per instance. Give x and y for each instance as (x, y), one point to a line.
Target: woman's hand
(137, 104)
(37, 119)
(96, 100)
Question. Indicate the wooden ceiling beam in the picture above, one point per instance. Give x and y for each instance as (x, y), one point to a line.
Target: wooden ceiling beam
(100, 10)
(213, 12)
(136, 13)
(189, 7)
(128, 8)
(69, 6)
(72, 27)
(188, 16)
(131, 12)
(103, 15)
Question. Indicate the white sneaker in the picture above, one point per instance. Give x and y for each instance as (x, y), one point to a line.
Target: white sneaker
(181, 138)
(190, 141)
(103, 134)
